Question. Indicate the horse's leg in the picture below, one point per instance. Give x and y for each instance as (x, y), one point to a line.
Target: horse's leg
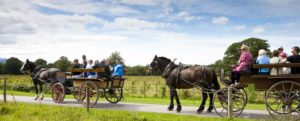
(178, 109)
(42, 92)
(36, 90)
(171, 106)
(201, 108)
(211, 106)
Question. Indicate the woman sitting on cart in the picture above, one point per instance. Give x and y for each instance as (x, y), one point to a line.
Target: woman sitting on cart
(243, 66)
(118, 69)
(263, 59)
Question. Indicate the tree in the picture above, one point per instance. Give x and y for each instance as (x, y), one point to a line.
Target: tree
(41, 63)
(12, 66)
(63, 63)
(137, 70)
(232, 54)
(115, 56)
(1, 66)
(50, 65)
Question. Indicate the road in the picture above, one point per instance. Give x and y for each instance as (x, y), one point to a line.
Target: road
(186, 110)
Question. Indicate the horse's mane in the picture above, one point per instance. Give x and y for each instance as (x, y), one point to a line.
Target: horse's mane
(164, 58)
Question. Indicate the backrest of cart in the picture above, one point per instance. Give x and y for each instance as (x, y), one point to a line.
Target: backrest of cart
(264, 82)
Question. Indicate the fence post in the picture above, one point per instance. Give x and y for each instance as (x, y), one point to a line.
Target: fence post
(132, 88)
(4, 90)
(87, 96)
(156, 89)
(144, 89)
(230, 103)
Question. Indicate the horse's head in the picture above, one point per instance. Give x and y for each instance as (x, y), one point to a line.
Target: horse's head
(158, 64)
(27, 67)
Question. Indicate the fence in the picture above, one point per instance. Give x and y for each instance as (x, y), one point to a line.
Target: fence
(135, 86)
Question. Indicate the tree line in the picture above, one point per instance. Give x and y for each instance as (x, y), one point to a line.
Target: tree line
(231, 56)
(13, 65)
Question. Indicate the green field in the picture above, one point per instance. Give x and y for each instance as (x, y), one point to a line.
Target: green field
(34, 112)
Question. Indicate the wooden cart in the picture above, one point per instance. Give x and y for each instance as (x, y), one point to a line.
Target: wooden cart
(66, 84)
(282, 96)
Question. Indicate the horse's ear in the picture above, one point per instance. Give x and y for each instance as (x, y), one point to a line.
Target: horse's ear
(27, 60)
(155, 56)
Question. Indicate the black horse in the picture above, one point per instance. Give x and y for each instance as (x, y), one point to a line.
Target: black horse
(39, 76)
(185, 77)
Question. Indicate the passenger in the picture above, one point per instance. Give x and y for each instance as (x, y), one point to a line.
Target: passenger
(84, 61)
(76, 65)
(244, 65)
(283, 59)
(281, 51)
(107, 74)
(263, 59)
(90, 66)
(96, 62)
(273, 60)
(295, 58)
(118, 69)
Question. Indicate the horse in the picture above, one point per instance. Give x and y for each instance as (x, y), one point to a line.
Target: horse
(39, 76)
(185, 77)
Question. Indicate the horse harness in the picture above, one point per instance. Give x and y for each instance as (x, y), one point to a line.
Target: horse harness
(200, 83)
(36, 72)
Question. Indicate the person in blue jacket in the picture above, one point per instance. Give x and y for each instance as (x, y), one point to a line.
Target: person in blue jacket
(118, 69)
(263, 59)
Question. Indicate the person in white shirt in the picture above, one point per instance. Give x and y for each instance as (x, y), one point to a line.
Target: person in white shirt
(273, 60)
(90, 66)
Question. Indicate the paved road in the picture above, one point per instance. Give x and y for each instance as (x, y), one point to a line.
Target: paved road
(186, 110)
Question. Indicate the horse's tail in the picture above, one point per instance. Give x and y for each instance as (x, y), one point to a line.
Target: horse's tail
(215, 81)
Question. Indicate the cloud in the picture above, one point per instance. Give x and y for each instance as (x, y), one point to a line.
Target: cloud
(239, 27)
(133, 24)
(187, 17)
(220, 20)
(141, 2)
(78, 6)
(258, 30)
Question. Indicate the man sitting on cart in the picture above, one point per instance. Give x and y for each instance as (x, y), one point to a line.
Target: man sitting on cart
(104, 75)
(295, 58)
(76, 65)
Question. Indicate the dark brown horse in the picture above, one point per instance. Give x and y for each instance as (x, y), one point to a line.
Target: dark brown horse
(186, 77)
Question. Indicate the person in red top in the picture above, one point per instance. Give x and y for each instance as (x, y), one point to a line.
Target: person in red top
(244, 64)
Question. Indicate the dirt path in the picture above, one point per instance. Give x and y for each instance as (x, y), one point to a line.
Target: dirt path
(186, 110)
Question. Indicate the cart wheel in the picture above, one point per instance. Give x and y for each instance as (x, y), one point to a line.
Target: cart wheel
(58, 92)
(77, 94)
(239, 101)
(113, 95)
(94, 93)
(283, 100)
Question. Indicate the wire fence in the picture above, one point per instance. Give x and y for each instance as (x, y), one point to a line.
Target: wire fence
(137, 87)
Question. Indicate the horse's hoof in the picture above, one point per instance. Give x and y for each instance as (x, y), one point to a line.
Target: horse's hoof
(209, 109)
(171, 107)
(200, 110)
(41, 98)
(36, 98)
(178, 109)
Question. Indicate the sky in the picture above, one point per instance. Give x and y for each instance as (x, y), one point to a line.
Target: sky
(193, 31)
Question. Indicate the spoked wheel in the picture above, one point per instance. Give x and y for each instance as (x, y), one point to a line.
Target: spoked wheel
(77, 94)
(283, 100)
(58, 92)
(113, 95)
(239, 101)
(93, 93)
